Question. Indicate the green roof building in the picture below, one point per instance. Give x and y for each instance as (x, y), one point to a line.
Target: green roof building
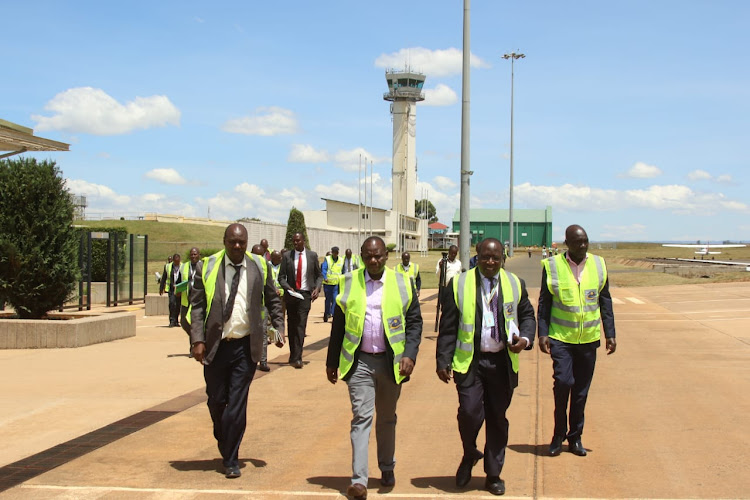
(532, 227)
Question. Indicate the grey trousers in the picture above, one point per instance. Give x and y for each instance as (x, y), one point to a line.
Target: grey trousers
(372, 389)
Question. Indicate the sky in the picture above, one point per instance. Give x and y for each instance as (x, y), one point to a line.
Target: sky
(631, 119)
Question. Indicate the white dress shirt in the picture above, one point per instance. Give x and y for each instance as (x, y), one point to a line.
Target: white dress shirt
(487, 343)
(304, 269)
(238, 325)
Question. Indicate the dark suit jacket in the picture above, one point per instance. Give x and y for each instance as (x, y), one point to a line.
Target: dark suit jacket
(446, 343)
(257, 292)
(412, 329)
(288, 278)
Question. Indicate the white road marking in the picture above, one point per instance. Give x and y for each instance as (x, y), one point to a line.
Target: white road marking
(634, 300)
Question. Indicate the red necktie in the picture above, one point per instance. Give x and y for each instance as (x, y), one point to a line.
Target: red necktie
(299, 272)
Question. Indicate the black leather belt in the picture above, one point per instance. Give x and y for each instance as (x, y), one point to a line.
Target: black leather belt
(376, 354)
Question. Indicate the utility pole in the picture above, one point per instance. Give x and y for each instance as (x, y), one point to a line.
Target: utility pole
(464, 237)
(512, 56)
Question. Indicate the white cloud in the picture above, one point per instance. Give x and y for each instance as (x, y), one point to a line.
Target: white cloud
(724, 179)
(381, 191)
(642, 171)
(305, 153)
(441, 95)
(433, 63)
(165, 176)
(699, 175)
(96, 192)
(444, 183)
(93, 111)
(349, 160)
(104, 201)
(265, 121)
(622, 233)
(249, 190)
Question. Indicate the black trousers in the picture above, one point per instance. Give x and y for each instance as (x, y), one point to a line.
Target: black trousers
(174, 309)
(228, 380)
(296, 313)
(485, 401)
(573, 366)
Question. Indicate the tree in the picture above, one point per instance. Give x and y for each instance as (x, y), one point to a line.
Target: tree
(39, 246)
(295, 224)
(419, 210)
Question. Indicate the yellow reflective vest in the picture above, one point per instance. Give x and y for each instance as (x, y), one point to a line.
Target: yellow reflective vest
(275, 273)
(352, 299)
(168, 269)
(575, 317)
(184, 297)
(412, 272)
(465, 296)
(210, 271)
(333, 270)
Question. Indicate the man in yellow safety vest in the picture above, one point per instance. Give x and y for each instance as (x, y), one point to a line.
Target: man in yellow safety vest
(487, 320)
(377, 328)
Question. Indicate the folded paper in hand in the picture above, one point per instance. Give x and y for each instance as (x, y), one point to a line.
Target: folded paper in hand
(274, 336)
(512, 330)
(295, 294)
(182, 286)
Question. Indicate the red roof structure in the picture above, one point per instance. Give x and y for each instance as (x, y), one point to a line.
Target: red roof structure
(438, 226)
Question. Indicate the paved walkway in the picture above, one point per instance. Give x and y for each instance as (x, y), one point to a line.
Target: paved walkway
(667, 415)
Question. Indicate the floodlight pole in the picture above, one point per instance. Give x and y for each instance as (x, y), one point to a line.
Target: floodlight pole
(464, 236)
(512, 56)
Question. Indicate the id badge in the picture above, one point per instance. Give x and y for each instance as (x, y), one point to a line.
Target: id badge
(488, 319)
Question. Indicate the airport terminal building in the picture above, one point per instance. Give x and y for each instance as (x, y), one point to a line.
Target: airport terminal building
(532, 227)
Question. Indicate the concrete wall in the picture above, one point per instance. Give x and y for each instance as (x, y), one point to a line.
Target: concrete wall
(78, 332)
(157, 305)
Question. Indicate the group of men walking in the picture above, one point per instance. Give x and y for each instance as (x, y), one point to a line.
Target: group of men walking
(376, 332)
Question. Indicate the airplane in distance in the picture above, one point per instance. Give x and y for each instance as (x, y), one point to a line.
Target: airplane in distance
(703, 249)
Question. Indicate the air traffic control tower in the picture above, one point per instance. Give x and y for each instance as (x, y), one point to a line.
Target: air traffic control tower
(404, 91)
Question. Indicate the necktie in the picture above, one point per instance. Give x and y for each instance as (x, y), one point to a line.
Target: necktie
(232, 292)
(299, 272)
(494, 330)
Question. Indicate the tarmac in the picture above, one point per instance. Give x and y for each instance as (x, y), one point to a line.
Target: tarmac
(667, 415)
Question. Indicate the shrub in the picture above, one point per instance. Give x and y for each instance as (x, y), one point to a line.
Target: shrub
(38, 245)
(295, 224)
(99, 250)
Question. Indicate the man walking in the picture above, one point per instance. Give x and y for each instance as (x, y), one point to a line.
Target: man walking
(301, 278)
(173, 274)
(410, 270)
(574, 305)
(189, 275)
(229, 292)
(487, 320)
(377, 329)
(332, 268)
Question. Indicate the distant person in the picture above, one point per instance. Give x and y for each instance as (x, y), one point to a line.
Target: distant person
(266, 251)
(487, 321)
(275, 268)
(263, 365)
(544, 252)
(475, 258)
(452, 265)
(350, 262)
(528, 249)
(574, 305)
(332, 268)
(410, 270)
(300, 273)
(226, 334)
(377, 329)
(169, 279)
(189, 274)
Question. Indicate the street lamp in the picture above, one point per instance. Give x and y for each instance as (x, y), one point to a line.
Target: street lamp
(512, 56)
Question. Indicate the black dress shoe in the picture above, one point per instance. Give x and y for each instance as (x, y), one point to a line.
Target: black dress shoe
(387, 478)
(357, 491)
(576, 448)
(463, 474)
(495, 485)
(263, 366)
(232, 472)
(297, 364)
(325, 318)
(555, 448)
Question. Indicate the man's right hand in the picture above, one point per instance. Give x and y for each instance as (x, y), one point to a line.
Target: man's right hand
(544, 344)
(161, 292)
(444, 374)
(199, 351)
(332, 374)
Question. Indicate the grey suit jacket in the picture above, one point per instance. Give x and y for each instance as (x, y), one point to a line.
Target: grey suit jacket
(259, 294)
(288, 278)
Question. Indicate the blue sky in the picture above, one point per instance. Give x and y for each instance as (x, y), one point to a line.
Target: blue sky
(631, 118)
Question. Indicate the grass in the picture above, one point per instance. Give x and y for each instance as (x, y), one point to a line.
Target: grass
(166, 238)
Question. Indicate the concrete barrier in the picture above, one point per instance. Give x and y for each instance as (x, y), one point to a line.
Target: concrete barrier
(65, 330)
(157, 305)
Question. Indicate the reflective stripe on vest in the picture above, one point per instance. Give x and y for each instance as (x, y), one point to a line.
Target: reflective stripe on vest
(575, 317)
(353, 302)
(185, 271)
(334, 270)
(275, 273)
(464, 294)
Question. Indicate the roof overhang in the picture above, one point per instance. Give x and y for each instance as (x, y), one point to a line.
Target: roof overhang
(19, 139)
